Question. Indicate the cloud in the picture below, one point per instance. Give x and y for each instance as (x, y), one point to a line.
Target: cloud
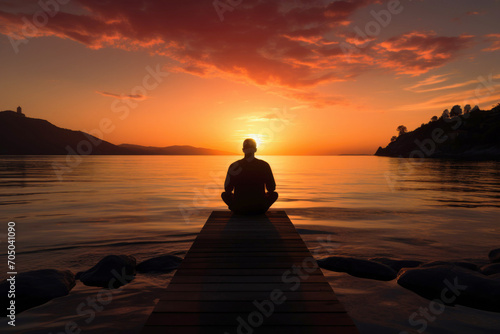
(265, 42)
(123, 96)
(464, 16)
(317, 100)
(289, 46)
(458, 85)
(432, 80)
(418, 52)
(494, 39)
(485, 92)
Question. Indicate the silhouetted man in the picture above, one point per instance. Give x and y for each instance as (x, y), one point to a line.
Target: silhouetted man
(249, 178)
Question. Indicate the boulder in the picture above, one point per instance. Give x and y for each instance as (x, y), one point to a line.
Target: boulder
(397, 265)
(358, 267)
(452, 285)
(111, 272)
(33, 288)
(463, 264)
(494, 255)
(160, 264)
(491, 269)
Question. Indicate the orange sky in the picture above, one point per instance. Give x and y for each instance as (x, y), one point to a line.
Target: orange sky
(303, 77)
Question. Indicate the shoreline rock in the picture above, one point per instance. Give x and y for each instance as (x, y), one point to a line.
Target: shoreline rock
(494, 255)
(462, 264)
(159, 264)
(451, 285)
(358, 267)
(37, 287)
(111, 272)
(397, 265)
(490, 269)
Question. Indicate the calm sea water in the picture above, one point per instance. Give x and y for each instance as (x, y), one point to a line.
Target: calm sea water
(138, 200)
(145, 206)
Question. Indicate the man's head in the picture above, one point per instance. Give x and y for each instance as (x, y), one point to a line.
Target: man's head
(249, 146)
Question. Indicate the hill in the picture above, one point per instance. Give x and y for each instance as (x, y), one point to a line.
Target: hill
(173, 150)
(474, 135)
(21, 135)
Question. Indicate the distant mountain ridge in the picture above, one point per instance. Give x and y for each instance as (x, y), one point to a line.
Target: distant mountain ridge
(473, 136)
(173, 150)
(21, 135)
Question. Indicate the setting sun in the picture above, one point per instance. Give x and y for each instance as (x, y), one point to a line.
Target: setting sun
(258, 139)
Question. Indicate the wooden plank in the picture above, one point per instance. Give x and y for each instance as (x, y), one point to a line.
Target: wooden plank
(217, 319)
(243, 258)
(260, 330)
(242, 265)
(242, 279)
(247, 287)
(257, 244)
(252, 270)
(246, 306)
(251, 249)
(239, 272)
(245, 295)
(249, 254)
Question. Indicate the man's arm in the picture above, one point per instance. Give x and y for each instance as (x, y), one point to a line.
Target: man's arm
(270, 183)
(231, 173)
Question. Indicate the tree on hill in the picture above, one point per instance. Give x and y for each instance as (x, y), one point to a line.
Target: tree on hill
(456, 111)
(467, 109)
(472, 138)
(402, 130)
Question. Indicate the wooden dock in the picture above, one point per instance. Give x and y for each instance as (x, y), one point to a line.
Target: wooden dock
(249, 275)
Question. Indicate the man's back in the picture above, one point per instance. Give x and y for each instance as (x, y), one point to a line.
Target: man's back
(250, 179)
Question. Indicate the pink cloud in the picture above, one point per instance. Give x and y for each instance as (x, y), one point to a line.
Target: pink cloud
(430, 81)
(417, 52)
(288, 45)
(494, 40)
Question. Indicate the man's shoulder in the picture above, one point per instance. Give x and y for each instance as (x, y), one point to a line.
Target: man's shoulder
(262, 162)
(235, 164)
(243, 162)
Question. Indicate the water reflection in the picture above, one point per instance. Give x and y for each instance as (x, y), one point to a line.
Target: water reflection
(13, 171)
(447, 182)
(125, 196)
